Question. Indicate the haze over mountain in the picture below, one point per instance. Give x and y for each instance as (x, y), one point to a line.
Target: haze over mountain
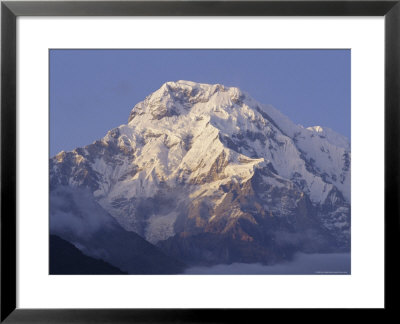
(209, 176)
(66, 259)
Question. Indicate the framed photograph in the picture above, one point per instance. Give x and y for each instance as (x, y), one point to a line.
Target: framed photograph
(197, 161)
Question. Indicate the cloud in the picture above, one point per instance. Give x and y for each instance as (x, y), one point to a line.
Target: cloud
(75, 211)
(330, 263)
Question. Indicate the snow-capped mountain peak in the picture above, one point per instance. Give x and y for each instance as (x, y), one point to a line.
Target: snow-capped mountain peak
(178, 98)
(190, 155)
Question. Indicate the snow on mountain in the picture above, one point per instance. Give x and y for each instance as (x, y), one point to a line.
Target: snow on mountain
(188, 145)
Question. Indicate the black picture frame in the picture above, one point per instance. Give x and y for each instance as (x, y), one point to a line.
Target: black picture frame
(10, 10)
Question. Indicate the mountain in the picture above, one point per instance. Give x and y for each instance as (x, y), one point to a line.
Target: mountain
(210, 175)
(77, 218)
(66, 259)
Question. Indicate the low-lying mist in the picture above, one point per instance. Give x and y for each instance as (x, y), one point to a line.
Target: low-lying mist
(302, 264)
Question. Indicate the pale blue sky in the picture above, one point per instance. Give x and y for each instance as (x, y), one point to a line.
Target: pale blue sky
(93, 91)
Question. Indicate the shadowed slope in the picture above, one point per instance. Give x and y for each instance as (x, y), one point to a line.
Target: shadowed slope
(66, 259)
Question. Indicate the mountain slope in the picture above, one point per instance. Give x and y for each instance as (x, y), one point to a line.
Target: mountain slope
(66, 259)
(197, 161)
(78, 219)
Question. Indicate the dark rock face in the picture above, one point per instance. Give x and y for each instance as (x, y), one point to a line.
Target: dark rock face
(210, 248)
(335, 214)
(131, 253)
(66, 259)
